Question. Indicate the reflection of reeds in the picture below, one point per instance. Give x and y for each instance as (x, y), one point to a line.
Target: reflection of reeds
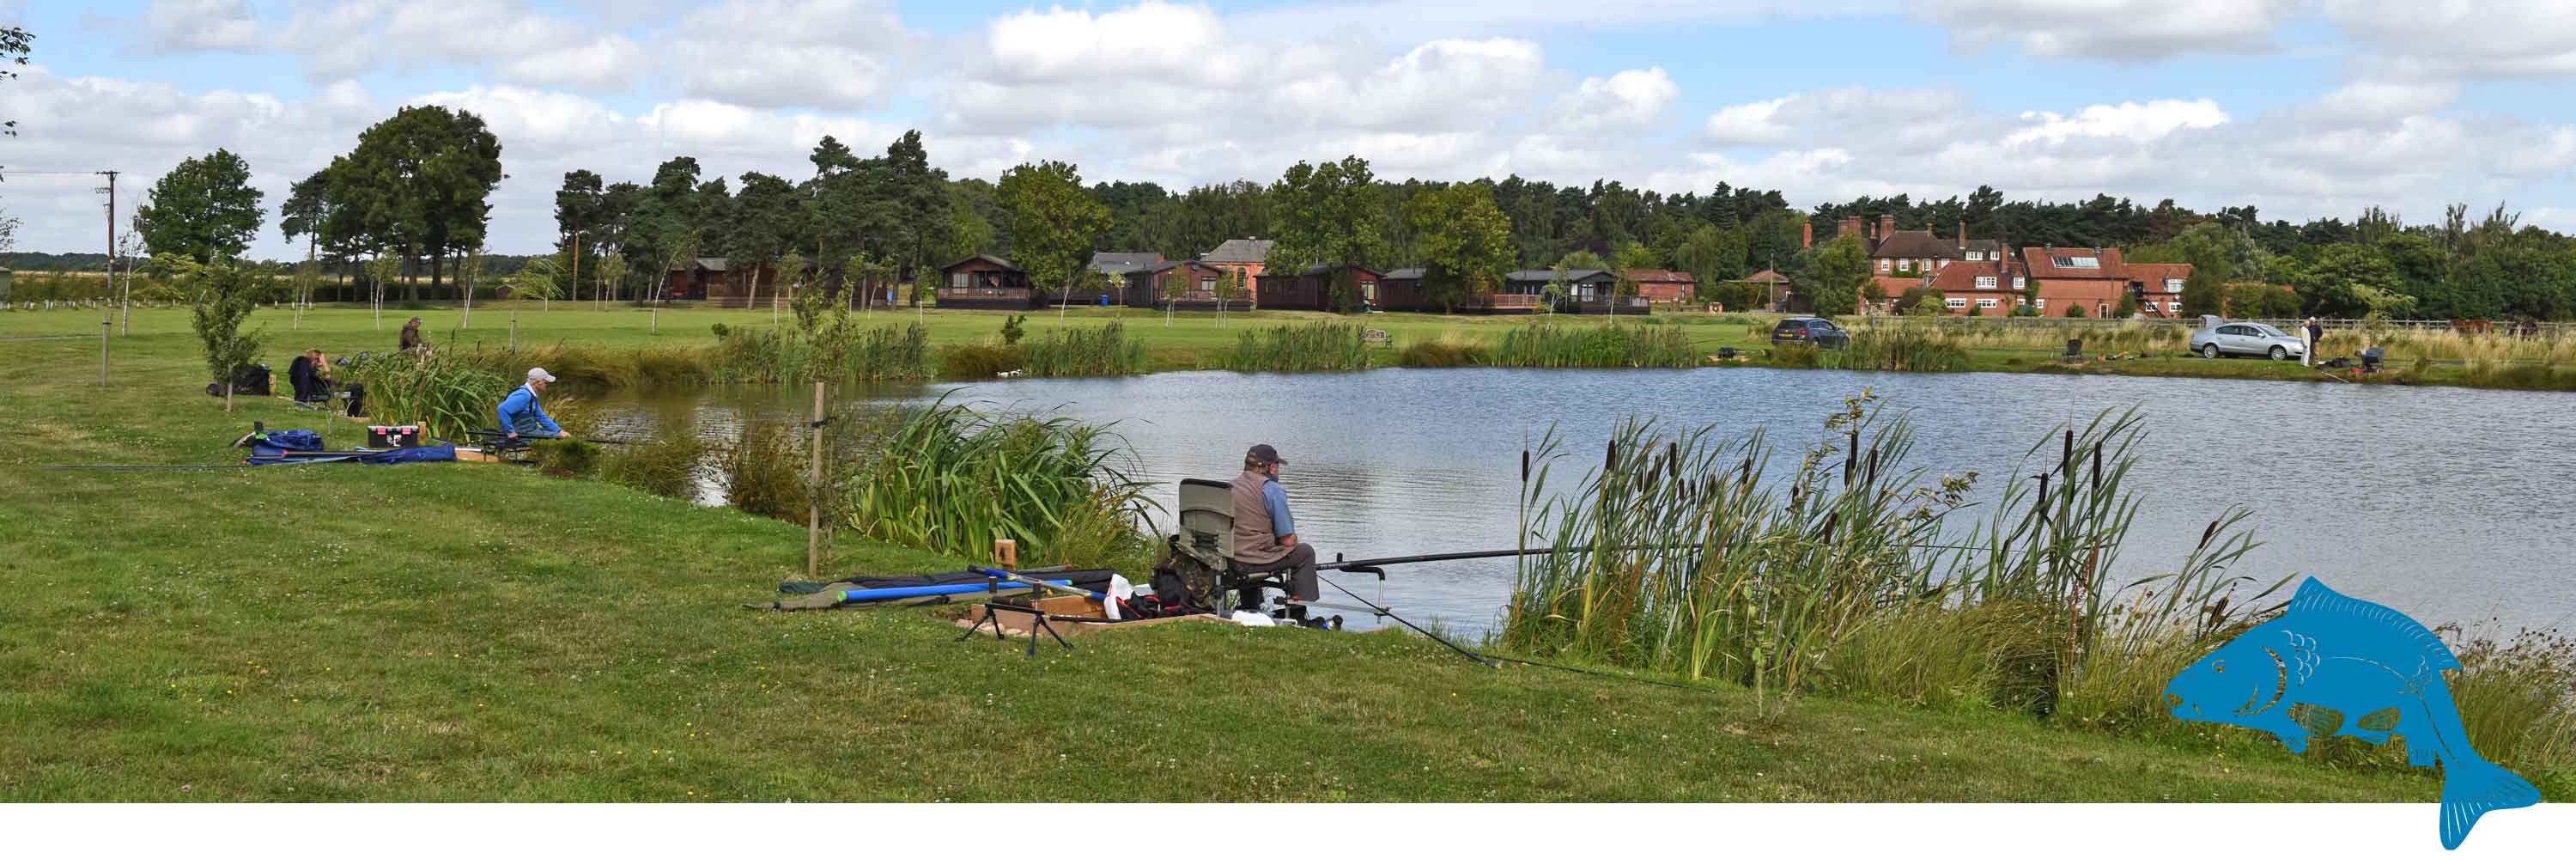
(1448, 350)
(1313, 346)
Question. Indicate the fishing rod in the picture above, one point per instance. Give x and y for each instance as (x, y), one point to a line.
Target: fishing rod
(1383, 612)
(116, 467)
(1508, 553)
(524, 437)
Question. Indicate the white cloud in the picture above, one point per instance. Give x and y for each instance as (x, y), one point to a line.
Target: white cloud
(1147, 39)
(171, 26)
(2111, 29)
(1447, 84)
(2459, 39)
(1629, 99)
(837, 54)
(604, 63)
(2126, 120)
(2376, 101)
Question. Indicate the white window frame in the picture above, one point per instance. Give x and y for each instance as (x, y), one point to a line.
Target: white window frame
(2173, 284)
(1976, 256)
(2019, 283)
(1985, 281)
(2043, 304)
(1886, 265)
(1986, 303)
(1955, 303)
(2173, 307)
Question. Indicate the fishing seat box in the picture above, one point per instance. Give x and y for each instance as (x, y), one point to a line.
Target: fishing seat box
(403, 436)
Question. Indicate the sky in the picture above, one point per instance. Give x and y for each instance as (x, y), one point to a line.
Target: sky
(2303, 108)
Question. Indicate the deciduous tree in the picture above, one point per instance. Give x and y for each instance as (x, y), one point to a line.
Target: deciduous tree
(1052, 221)
(204, 209)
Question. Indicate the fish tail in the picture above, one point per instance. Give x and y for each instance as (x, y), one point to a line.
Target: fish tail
(2474, 787)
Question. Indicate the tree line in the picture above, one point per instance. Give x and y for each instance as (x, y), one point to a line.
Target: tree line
(411, 197)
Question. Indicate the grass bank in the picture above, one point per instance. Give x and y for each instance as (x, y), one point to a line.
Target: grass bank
(472, 632)
(631, 347)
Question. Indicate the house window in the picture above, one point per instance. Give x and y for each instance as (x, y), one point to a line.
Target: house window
(1985, 281)
(2173, 284)
(2173, 307)
(2017, 283)
(2076, 262)
(1955, 303)
(1885, 265)
(1987, 303)
(1207, 284)
(2043, 304)
(1976, 256)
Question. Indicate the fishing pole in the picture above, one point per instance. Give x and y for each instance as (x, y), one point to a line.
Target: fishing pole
(1509, 553)
(503, 436)
(1383, 612)
(114, 467)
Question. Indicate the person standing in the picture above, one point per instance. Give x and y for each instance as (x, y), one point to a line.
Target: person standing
(1265, 537)
(520, 411)
(2315, 334)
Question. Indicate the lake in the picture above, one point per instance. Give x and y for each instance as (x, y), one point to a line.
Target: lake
(2445, 503)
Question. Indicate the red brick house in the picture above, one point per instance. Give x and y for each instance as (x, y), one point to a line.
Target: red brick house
(1985, 286)
(2158, 286)
(1664, 287)
(2090, 278)
(1244, 257)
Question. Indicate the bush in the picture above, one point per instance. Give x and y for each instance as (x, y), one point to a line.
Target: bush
(569, 457)
(934, 482)
(1102, 351)
(981, 361)
(2075, 311)
(1013, 329)
(668, 467)
(1548, 344)
(763, 473)
(1444, 352)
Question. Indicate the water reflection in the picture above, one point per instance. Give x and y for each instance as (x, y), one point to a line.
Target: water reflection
(2441, 502)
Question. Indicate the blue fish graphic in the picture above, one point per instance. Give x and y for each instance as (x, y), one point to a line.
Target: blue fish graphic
(2330, 657)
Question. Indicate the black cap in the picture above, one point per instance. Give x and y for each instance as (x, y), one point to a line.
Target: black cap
(1263, 454)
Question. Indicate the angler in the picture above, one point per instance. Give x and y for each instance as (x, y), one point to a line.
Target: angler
(521, 413)
(1265, 536)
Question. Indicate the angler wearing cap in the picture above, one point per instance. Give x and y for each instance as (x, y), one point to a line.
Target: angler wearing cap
(1265, 538)
(520, 412)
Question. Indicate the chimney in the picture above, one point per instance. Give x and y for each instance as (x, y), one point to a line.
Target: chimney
(1887, 226)
(1963, 234)
(1849, 227)
(1807, 234)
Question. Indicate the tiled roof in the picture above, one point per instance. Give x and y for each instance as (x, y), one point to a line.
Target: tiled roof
(1544, 275)
(1915, 244)
(1767, 276)
(2042, 263)
(1403, 274)
(1657, 275)
(984, 257)
(1240, 251)
(1118, 262)
(1962, 276)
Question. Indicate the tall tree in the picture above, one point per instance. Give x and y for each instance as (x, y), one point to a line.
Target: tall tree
(580, 205)
(916, 197)
(1052, 221)
(1465, 242)
(1833, 281)
(1327, 214)
(307, 208)
(423, 177)
(763, 225)
(204, 209)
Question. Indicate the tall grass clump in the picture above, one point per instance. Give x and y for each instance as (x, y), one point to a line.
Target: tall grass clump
(1102, 351)
(1684, 553)
(981, 360)
(1912, 348)
(1292, 348)
(765, 471)
(1550, 344)
(1445, 351)
(669, 466)
(841, 351)
(950, 479)
(445, 396)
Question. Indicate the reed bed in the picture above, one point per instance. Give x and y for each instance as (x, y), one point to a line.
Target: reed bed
(1910, 348)
(446, 396)
(1703, 563)
(840, 352)
(1102, 351)
(951, 479)
(981, 360)
(1546, 344)
(2028, 333)
(1296, 348)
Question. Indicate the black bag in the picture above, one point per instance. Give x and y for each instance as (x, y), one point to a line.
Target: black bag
(1170, 591)
(248, 379)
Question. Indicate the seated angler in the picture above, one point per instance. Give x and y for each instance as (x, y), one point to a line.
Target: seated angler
(521, 413)
(1265, 538)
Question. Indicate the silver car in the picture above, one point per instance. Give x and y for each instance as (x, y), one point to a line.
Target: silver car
(2246, 338)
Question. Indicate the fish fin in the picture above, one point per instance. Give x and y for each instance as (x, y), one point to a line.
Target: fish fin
(2319, 721)
(2315, 598)
(2475, 788)
(2379, 720)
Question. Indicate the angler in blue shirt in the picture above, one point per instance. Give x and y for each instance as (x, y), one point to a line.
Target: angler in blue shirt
(520, 412)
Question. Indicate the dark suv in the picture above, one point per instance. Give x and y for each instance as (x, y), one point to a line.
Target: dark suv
(1810, 329)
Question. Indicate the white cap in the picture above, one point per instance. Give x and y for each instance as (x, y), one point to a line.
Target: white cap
(539, 374)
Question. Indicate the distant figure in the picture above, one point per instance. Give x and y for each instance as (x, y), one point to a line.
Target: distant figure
(2315, 334)
(1265, 538)
(411, 340)
(520, 412)
(311, 377)
(2370, 357)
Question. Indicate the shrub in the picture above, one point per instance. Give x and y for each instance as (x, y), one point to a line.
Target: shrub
(569, 457)
(1013, 329)
(668, 466)
(446, 395)
(1102, 351)
(950, 479)
(981, 361)
(1443, 352)
(764, 474)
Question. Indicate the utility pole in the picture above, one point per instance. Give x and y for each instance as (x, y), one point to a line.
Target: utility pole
(107, 317)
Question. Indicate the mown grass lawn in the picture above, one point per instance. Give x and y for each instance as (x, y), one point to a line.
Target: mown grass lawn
(479, 632)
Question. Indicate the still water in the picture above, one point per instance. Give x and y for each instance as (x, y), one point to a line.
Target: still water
(2449, 504)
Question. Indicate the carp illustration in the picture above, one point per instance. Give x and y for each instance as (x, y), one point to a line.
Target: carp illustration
(2333, 665)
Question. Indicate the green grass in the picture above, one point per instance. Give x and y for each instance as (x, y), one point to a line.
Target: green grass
(482, 632)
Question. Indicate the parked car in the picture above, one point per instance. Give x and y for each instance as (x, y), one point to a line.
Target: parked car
(2246, 338)
(1810, 329)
